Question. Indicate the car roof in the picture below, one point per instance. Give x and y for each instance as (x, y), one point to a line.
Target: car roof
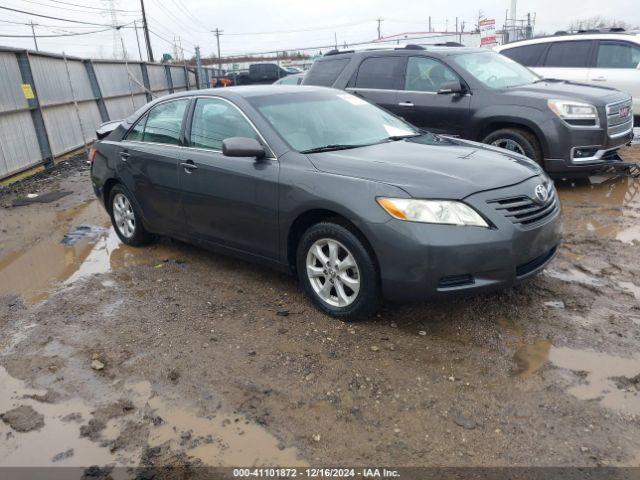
(246, 91)
(437, 50)
(633, 37)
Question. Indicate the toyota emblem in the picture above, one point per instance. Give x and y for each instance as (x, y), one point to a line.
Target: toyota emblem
(541, 193)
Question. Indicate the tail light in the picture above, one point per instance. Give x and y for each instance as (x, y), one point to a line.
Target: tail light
(92, 154)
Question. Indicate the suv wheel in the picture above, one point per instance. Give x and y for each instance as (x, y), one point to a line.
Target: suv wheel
(516, 140)
(337, 272)
(125, 218)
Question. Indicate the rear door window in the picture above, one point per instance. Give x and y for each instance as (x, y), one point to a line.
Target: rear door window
(569, 54)
(527, 55)
(324, 72)
(383, 73)
(162, 124)
(613, 54)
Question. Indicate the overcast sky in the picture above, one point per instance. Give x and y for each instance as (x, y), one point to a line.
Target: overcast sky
(289, 24)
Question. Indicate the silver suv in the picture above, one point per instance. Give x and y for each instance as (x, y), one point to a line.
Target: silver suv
(606, 58)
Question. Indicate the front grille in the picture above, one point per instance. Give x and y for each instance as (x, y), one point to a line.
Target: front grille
(526, 211)
(617, 125)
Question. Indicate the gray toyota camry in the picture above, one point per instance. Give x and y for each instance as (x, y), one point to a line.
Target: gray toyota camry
(359, 204)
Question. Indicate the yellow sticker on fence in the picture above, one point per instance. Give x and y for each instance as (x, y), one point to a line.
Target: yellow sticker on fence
(27, 91)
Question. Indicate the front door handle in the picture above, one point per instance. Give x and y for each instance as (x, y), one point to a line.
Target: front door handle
(189, 166)
(405, 104)
(599, 79)
(124, 156)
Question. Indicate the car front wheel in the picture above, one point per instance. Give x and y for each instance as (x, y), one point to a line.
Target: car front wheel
(516, 140)
(337, 271)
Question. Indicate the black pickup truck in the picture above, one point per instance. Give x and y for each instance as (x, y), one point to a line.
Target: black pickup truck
(258, 74)
(480, 95)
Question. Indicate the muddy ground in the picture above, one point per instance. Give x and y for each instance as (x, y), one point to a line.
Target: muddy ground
(172, 355)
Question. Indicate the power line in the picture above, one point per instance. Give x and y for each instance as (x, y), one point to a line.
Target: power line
(312, 29)
(54, 18)
(90, 9)
(72, 34)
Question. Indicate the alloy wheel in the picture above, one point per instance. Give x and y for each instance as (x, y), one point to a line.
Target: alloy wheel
(123, 215)
(508, 144)
(333, 272)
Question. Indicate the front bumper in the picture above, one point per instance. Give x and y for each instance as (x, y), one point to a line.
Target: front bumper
(574, 150)
(420, 261)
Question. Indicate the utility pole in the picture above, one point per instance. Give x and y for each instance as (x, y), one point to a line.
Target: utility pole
(200, 74)
(33, 32)
(135, 26)
(429, 23)
(145, 28)
(379, 20)
(335, 39)
(217, 33)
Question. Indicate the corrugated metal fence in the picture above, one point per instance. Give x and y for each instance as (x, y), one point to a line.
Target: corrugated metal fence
(51, 105)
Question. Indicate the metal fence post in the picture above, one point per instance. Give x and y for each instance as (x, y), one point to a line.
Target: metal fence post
(75, 105)
(95, 88)
(167, 72)
(145, 80)
(36, 111)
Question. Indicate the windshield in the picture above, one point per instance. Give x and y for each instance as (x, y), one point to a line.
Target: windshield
(494, 70)
(314, 120)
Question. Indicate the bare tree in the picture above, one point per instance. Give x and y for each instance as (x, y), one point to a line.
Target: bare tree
(597, 22)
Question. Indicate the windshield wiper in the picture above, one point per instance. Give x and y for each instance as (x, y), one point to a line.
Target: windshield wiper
(394, 138)
(331, 148)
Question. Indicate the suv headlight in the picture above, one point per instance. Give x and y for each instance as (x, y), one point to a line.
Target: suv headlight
(447, 212)
(575, 113)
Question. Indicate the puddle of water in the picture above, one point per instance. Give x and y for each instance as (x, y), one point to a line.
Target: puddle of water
(34, 270)
(220, 440)
(599, 369)
(37, 448)
(532, 357)
(574, 276)
(619, 196)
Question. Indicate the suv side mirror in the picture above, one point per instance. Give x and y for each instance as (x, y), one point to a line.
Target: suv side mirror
(450, 87)
(242, 147)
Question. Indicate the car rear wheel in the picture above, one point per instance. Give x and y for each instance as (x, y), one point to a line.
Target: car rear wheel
(516, 140)
(337, 271)
(125, 218)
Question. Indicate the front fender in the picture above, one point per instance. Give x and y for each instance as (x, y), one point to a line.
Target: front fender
(540, 123)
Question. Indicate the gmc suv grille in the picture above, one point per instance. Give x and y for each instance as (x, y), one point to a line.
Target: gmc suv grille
(522, 210)
(619, 118)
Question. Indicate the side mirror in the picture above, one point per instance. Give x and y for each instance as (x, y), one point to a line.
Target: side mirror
(242, 147)
(450, 87)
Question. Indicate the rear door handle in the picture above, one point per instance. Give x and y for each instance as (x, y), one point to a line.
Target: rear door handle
(189, 166)
(124, 156)
(405, 104)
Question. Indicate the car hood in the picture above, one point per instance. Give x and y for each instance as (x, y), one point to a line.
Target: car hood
(565, 90)
(449, 168)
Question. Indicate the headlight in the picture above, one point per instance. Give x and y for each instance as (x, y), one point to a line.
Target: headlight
(575, 113)
(448, 212)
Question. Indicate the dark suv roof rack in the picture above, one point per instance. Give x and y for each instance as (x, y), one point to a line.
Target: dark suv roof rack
(381, 47)
(446, 44)
(590, 31)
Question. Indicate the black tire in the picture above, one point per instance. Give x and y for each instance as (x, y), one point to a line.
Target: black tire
(367, 299)
(525, 140)
(139, 235)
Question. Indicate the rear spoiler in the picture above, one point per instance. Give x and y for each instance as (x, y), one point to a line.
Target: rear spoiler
(106, 128)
